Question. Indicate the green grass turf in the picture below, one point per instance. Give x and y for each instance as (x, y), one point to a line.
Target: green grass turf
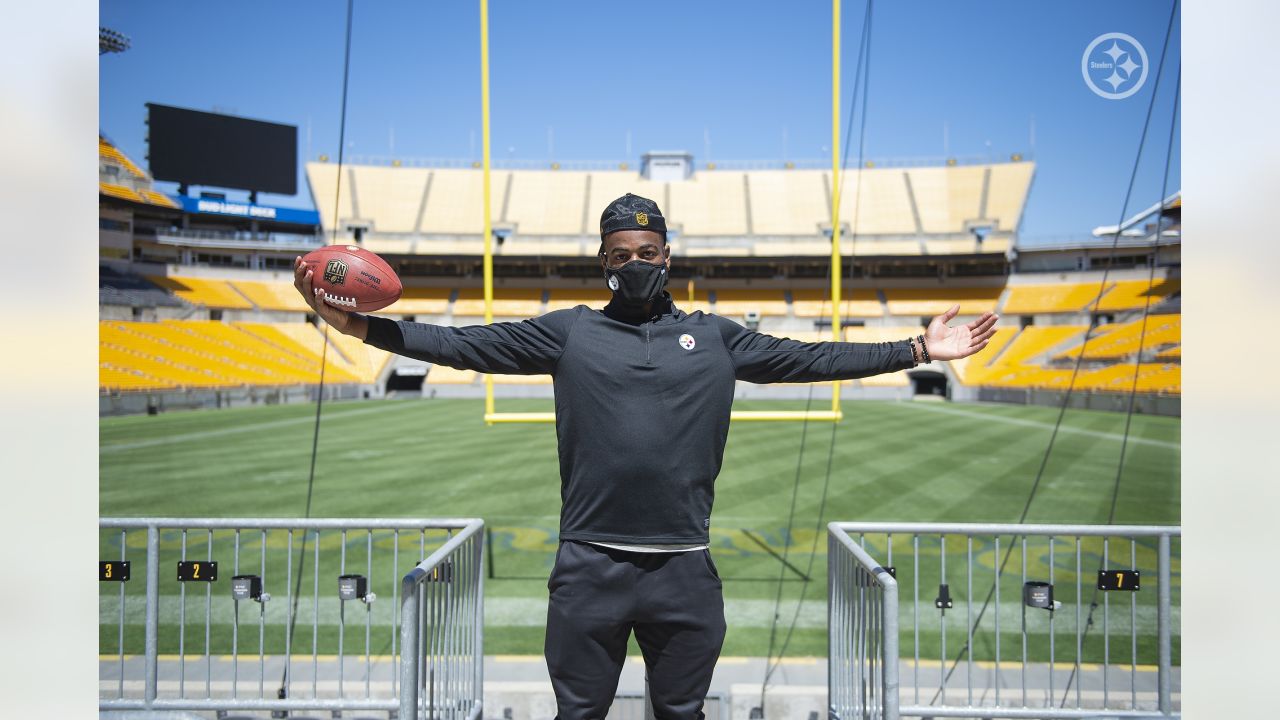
(916, 462)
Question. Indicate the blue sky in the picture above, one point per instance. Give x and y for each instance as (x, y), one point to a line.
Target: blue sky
(571, 80)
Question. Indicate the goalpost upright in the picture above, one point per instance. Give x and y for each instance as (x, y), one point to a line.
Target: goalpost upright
(491, 415)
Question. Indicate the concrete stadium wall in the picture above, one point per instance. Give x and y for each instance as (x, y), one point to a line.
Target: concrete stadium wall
(147, 314)
(139, 403)
(745, 391)
(1167, 405)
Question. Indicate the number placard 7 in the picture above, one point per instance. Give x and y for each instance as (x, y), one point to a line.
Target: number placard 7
(1122, 580)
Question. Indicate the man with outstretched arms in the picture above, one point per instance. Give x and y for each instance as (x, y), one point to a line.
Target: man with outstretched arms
(642, 398)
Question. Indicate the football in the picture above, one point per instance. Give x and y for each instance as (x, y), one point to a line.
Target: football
(353, 278)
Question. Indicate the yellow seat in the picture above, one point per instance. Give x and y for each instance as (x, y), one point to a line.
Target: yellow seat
(935, 301)
(1064, 297)
(740, 302)
(203, 291)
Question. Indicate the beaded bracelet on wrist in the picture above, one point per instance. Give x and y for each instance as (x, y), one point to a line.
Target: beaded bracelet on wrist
(924, 351)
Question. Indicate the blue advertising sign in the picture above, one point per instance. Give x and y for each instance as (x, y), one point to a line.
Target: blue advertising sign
(234, 208)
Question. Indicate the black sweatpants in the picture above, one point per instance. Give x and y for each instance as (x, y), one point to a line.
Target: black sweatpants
(673, 602)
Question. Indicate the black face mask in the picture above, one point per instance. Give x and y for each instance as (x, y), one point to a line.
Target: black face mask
(636, 283)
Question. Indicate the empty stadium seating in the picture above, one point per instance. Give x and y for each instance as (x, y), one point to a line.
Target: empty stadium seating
(272, 295)
(455, 204)
(709, 203)
(120, 191)
(390, 196)
(121, 178)
(876, 202)
(421, 301)
(1080, 297)
(1062, 297)
(507, 302)
(1122, 340)
(592, 298)
(890, 211)
(115, 288)
(734, 303)
(935, 301)
(548, 202)
(1044, 357)
(946, 197)
(995, 346)
(1137, 294)
(791, 202)
(859, 302)
(1007, 193)
(111, 154)
(210, 354)
(1018, 363)
(202, 291)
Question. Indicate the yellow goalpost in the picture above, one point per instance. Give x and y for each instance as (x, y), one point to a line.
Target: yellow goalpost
(491, 415)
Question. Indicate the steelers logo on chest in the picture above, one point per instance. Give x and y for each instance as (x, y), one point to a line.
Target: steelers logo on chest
(687, 342)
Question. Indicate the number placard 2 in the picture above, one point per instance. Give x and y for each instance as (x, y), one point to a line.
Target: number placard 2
(1122, 580)
(197, 571)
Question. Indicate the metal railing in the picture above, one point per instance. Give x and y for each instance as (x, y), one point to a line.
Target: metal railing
(441, 631)
(862, 621)
(283, 614)
(1004, 592)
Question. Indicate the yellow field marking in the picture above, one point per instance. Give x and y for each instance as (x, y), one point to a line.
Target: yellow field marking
(515, 658)
(1008, 664)
(726, 660)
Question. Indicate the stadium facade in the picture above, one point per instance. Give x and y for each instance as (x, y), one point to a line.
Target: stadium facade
(197, 307)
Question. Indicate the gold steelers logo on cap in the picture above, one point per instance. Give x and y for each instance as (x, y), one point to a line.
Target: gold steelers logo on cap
(642, 218)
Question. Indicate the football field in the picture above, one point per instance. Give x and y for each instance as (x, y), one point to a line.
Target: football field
(889, 461)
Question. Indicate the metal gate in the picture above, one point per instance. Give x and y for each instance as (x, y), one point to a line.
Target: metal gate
(288, 614)
(1009, 621)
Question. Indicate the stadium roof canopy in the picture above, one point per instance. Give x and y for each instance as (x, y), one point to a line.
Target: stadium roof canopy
(1134, 226)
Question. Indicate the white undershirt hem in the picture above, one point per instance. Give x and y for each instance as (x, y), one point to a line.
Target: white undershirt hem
(650, 548)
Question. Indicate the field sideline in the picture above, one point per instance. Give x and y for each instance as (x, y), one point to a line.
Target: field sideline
(891, 461)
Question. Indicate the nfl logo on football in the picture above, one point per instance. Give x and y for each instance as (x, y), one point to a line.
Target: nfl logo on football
(335, 272)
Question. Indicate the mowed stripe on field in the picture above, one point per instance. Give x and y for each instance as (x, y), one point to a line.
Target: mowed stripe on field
(997, 417)
(532, 612)
(250, 427)
(437, 458)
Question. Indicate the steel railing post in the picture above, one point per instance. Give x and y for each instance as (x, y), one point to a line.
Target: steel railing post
(1163, 620)
(409, 649)
(477, 655)
(153, 615)
(890, 645)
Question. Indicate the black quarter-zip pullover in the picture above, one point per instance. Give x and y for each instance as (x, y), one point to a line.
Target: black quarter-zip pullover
(642, 405)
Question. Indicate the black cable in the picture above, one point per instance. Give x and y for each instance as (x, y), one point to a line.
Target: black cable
(853, 233)
(1124, 210)
(770, 665)
(324, 354)
(1133, 390)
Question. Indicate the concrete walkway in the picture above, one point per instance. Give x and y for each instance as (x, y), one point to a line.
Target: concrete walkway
(519, 684)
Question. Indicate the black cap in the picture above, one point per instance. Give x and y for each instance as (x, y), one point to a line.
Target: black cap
(632, 212)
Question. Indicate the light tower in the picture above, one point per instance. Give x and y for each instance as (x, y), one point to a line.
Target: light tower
(110, 41)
